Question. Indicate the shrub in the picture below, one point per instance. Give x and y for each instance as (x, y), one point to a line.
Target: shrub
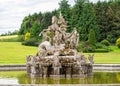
(118, 42)
(89, 48)
(20, 38)
(31, 42)
(27, 35)
(99, 45)
(80, 46)
(105, 42)
(85, 47)
(102, 48)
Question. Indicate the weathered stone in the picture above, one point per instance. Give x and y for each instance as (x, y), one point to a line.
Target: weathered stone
(57, 54)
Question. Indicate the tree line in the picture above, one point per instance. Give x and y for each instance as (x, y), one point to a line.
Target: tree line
(101, 17)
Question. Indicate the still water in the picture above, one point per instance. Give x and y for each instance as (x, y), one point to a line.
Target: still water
(20, 77)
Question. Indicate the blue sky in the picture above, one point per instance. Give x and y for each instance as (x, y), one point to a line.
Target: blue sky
(12, 12)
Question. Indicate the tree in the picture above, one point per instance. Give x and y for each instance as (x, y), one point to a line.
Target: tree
(46, 20)
(91, 37)
(76, 13)
(24, 27)
(65, 9)
(108, 19)
(87, 21)
(35, 30)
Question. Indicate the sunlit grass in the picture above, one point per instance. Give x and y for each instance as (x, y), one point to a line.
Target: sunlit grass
(11, 38)
(14, 52)
(7, 37)
(112, 57)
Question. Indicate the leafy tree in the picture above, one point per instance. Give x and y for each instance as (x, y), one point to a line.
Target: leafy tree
(24, 28)
(46, 20)
(108, 18)
(87, 21)
(76, 11)
(105, 42)
(35, 30)
(102, 20)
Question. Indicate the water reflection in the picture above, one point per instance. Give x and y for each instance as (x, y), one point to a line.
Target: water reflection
(97, 78)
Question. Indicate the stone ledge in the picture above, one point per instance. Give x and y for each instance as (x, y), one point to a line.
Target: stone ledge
(96, 67)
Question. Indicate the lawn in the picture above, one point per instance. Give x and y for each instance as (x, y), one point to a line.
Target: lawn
(15, 53)
(11, 38)
(8, 37)
(112, 57)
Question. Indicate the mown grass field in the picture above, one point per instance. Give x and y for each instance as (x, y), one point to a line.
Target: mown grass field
(15, 53)
(11, 38)
(8, 37)
(112, 57)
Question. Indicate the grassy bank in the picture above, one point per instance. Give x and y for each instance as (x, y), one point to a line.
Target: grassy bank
(11, 38)
(15, 53)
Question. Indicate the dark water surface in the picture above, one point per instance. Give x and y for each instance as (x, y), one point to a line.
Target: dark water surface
(20, 77)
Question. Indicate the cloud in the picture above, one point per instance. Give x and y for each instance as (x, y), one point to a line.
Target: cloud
(12, 12)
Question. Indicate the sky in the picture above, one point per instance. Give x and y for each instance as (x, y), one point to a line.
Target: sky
(12, 12)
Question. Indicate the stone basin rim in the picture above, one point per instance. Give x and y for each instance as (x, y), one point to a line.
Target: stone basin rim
(96, 67)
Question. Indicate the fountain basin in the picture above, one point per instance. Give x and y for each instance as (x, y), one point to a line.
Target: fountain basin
(20, 77)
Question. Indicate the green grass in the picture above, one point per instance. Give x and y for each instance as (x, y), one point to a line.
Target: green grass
(11, 38)
(112, 57)
(14, 52)
(7, 37)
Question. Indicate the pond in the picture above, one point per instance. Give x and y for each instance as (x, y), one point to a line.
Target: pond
(20, 77)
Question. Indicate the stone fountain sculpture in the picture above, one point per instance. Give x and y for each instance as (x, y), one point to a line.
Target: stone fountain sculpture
(57, 55)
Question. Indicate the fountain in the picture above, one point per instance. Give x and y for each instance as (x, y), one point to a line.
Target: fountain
(57, 55)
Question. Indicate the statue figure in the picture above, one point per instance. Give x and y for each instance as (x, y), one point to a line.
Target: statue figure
(54, 25)
(90, 58)
(62, 23)
(81, 61)
(46, 48)
(56, 66)
(57, 39)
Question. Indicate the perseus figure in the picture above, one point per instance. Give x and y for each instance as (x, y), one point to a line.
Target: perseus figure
(54, 25)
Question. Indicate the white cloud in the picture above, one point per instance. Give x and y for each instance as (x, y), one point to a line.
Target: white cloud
(12, 12)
